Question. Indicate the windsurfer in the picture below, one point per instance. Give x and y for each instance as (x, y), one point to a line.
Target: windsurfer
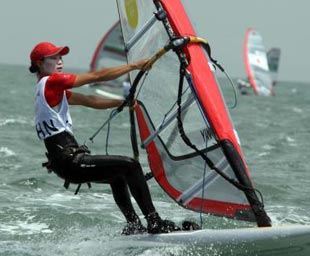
(243, 86)
(73, 162)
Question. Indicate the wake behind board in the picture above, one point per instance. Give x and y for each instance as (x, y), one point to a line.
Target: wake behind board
(293, 240)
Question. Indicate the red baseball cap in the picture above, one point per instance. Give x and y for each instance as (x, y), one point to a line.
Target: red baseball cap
(46, 49)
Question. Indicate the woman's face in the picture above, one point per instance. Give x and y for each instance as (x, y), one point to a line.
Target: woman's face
(52, 64)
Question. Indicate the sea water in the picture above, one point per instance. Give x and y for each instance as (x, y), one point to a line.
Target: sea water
(38, 216)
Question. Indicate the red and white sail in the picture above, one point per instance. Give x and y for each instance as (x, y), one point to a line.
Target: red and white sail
(110, 52)
(180, 170)
(256, 63)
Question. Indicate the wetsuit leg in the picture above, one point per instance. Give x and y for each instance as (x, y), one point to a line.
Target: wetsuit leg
(116, 170)
(122, 198)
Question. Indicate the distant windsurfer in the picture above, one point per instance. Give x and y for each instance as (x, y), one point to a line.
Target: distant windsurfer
(244, 86)
(73, 162)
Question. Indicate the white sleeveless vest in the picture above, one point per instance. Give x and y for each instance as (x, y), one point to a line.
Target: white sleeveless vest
(47, 120)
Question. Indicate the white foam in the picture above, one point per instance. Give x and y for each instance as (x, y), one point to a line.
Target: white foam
(297, 110)
(25, 228)
(19, 120)
(6, 152)
(289, 139)
(264, 154)
(280, 215)
(268, 147)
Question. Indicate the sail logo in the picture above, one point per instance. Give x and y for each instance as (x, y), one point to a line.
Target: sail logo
(206, 134)
(131, 13)
(258, 59)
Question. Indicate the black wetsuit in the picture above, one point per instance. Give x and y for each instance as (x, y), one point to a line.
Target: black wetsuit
(121, 172)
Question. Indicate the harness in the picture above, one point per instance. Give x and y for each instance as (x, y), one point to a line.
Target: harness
(68, 153)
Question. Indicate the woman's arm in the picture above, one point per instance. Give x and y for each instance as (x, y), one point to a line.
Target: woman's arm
(93, 101)
(107, 74)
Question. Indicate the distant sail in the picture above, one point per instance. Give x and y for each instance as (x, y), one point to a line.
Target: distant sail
(110, 52)
(256, 63)
(273, 56)
(184, 125)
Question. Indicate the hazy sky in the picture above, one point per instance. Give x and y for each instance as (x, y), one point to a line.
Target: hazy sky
(81, 25)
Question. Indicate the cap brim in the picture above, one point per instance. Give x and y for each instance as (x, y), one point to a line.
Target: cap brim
(63, 50)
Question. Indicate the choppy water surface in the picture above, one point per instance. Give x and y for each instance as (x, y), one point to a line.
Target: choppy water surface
(39, 217)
